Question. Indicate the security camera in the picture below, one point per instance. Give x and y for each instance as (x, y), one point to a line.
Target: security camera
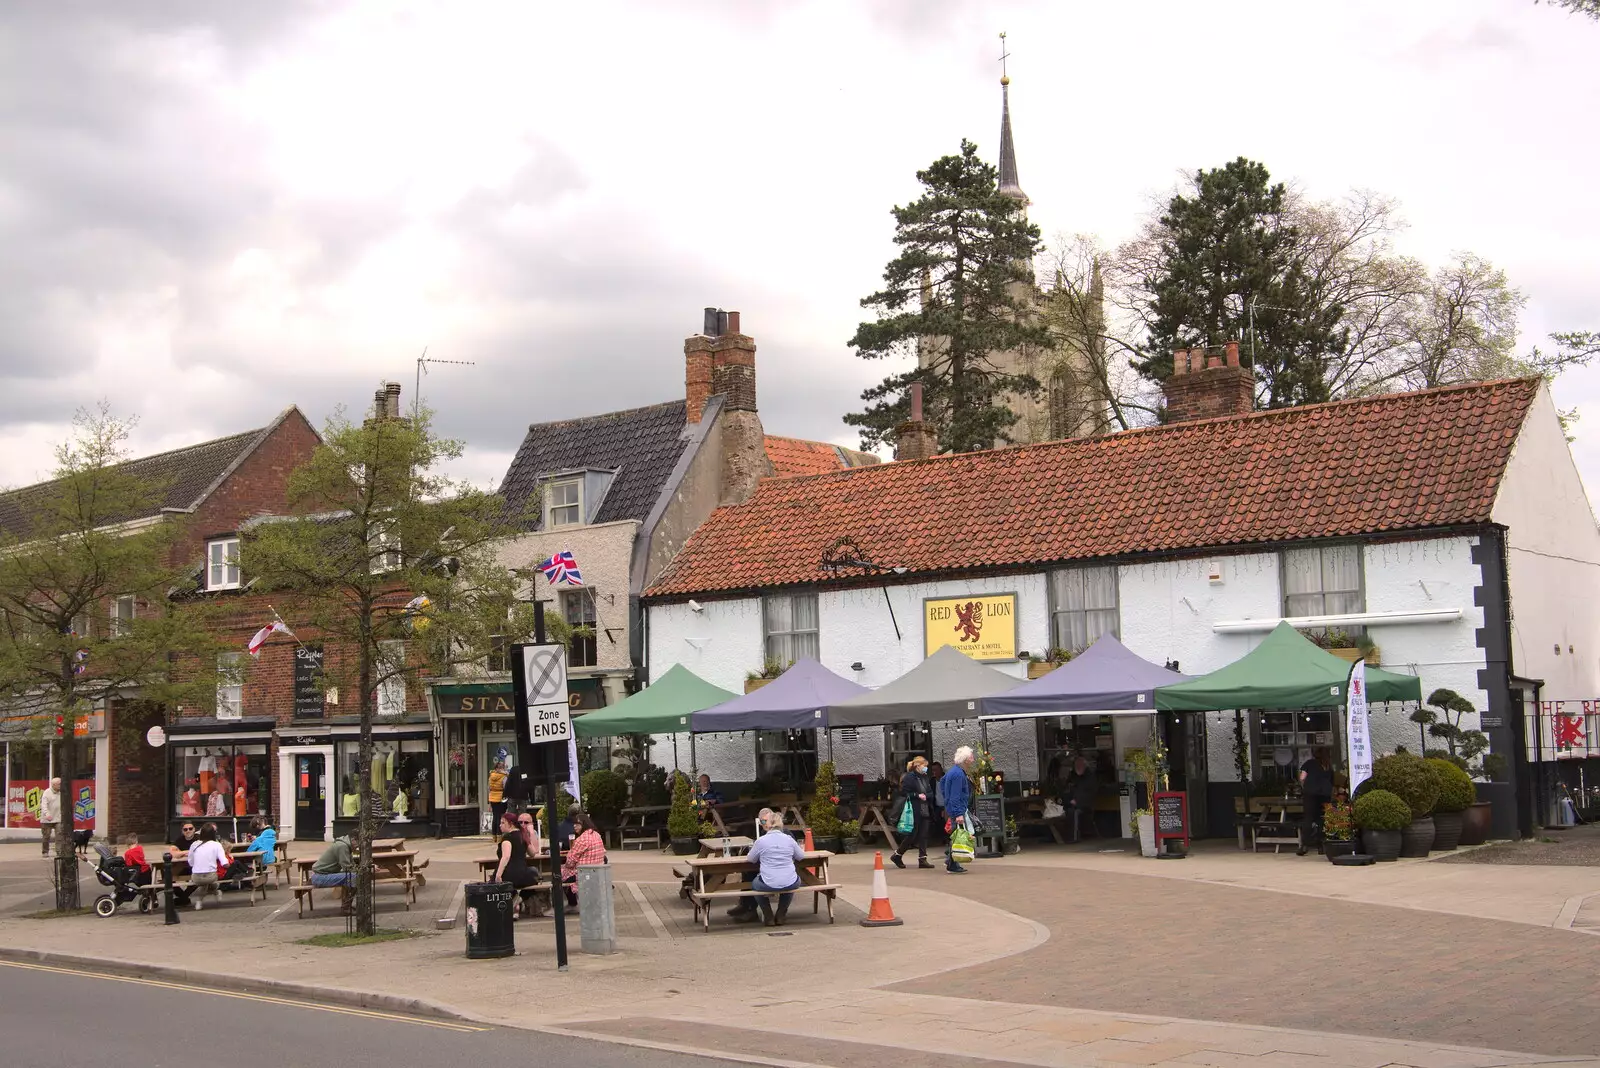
(696, 606)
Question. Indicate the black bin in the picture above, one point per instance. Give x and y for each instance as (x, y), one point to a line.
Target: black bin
(489, 926)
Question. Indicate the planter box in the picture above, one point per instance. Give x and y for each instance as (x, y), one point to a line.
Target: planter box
(1350, 656)
(1039, 669)
(1447, 830)
(1331, 849)
(752, 685)
(1417, 839)
(1385, 845)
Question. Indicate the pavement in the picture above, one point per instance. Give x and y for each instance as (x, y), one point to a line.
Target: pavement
(1053, 957)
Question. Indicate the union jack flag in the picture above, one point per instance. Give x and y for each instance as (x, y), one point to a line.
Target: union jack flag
(562, 568)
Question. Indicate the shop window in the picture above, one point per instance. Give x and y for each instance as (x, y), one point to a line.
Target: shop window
(222, 564)
(461, 762)
(399, 775)
(392, 690)
(787, 758)
(230, 685)
(1285, 740)
(1083, 606)
(564, 503)
(221, 781)
(122, 609)
(1324, 581)
(791, 627)
(578, 609)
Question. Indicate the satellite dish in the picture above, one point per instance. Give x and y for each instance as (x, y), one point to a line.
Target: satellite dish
(156, 736)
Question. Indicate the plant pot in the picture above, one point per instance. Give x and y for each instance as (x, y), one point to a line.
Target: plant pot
(1012, 846)
(1446, 830)
(1038, 669)
(850, 845)
(1331, 848)
(685, 847)
(829, 845)
(1475, 824)
(752, 685)
(1350, 656)
(1385, 845)
(1417, 839)
(1147, 835)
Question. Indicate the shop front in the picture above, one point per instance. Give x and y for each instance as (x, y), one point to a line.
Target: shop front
(319, 774)
(30, 760)
(219, 771)
(478, 738)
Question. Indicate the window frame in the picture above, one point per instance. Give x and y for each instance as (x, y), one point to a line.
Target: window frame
(550, 505)
(212, 565)
(391, 692)
(118, 625)
(230, 681)
(1322, 592)
(1057, 611)
(768, 654)
(577, 644)
(388, 557)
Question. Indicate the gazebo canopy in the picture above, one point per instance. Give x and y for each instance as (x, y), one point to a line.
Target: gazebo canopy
(797, 699)
(1285, 671)
(662, 708)
(1105, 678)
(947, 685)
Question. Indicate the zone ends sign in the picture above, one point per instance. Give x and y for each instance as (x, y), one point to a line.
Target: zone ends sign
(539, 690)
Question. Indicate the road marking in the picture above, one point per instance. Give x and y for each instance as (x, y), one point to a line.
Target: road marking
(371, 1014)
(455, 902)
(649, 912)
(275, 913)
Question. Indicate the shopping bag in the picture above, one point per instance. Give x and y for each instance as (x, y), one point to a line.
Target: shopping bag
(1053, 810)
(961, 845)
(908, 819)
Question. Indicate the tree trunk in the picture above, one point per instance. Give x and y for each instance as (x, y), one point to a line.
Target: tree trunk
(366, 919)
(66, 858)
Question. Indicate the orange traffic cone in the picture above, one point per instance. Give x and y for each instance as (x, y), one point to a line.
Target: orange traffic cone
(880, 915)
(811, 846)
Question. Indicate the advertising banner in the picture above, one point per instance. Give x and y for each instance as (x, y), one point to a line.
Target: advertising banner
(1357, 729)
(22, 803)
(984, 626)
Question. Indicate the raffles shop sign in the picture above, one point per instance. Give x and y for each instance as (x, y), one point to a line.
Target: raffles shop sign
(984, 626)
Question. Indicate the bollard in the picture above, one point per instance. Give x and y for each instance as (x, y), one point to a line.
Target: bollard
(166, 885)
(597, 917)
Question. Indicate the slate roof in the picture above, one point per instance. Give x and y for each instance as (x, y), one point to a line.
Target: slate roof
(641, 444)
(188, 475)
(796, 456)
(1409, 461)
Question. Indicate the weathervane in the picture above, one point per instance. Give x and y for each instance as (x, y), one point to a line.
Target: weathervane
(1005, 79)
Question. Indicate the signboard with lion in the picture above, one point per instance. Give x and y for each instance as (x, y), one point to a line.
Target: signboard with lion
(984, 626)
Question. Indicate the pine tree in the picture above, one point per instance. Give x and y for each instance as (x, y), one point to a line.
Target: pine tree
(70, 555)
(959, 290)
(1224, 257)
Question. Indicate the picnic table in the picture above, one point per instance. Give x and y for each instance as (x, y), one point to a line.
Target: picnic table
(255, 881)
(487, 865)
(875, 817)
(279, 865)
(727, 844)
(641, 824)
(393, 866)
(718, 878)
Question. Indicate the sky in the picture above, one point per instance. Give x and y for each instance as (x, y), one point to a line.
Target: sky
(210, 212)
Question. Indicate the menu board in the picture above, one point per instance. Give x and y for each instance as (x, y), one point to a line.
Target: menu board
(1172, 816)
(990, 812)
(308, 698)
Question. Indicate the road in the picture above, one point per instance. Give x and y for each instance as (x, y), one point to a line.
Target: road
(50, 1017)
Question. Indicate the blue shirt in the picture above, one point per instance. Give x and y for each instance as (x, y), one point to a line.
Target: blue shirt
(266, 843)
(775, 852)
(957, 792)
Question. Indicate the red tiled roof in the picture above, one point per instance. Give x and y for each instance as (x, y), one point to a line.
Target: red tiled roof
(792, 457)
(1406, 461)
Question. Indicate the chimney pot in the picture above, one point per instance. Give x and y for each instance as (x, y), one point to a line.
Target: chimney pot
(1232, 353)
(722, 323)
(710, 329)
(733, 322)
(1206, 385)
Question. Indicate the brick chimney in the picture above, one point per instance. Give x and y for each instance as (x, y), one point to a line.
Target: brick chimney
(915, 439)
(721, 361)
(386, 402)
(1208, 384)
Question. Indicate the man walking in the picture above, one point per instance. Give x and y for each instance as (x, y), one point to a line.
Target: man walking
(957, 796)
(49, 814)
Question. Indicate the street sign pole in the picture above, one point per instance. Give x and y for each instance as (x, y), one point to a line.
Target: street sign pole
(544, 724)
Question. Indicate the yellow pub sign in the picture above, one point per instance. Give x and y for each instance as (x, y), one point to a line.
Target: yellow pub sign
(984, 626)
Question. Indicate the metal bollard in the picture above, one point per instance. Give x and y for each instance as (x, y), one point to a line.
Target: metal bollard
(597, 917)
(166, 885)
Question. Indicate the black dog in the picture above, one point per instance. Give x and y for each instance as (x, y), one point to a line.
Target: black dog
(80, 842)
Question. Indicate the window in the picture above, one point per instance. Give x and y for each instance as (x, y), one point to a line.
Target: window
(386, 552)
(1325, 581)
(80, 626)
(499, 659)
(907, 740)
(564, 503)
(392, 690)
(399, 769)
(230, 685)
(1083, 606)
(222, 559)
(577, 608)
(122, 609)
(791, 623)
(461, 762)
(220, 780)
(786, 758)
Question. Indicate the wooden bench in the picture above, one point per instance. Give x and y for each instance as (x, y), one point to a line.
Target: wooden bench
(1053, 824)
(720, 878)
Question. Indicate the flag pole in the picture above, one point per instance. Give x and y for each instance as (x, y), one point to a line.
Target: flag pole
(286, 628)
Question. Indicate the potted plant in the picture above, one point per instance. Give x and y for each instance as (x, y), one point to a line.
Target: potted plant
(769, 671)
(1338, 830)
(1456, 795)
(683, 822)
(1408, 777)
(1150, 764)
(850, 836)
(823, 816)
(1344, 645)
(1013, 839)
(606, 795)
(1382, 817)
(1040, 666)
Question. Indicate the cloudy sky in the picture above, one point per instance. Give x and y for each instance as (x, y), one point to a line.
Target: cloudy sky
(211, 211)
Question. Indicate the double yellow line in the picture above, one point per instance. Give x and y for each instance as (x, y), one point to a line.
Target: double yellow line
(370, 1014)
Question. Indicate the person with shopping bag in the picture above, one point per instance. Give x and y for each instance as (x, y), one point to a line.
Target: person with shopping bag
(957, 790)
(916, 807)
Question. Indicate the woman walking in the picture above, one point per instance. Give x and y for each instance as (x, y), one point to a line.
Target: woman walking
(916, 792)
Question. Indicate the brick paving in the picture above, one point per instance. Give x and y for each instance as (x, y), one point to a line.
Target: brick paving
(1127, 943)
(1568, 847)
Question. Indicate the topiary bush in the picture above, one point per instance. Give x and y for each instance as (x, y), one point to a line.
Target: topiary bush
(1407, 777)
(1379, 810)
(606, 794)
(824, 815)
(682, 821)
(1456, 792)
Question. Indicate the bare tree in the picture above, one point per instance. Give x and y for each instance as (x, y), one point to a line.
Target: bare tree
(1464, 327)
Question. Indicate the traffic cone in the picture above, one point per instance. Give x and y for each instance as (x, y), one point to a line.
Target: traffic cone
(811, 846)
(880, 915)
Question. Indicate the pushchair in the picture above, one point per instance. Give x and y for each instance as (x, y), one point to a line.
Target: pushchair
(114, 872)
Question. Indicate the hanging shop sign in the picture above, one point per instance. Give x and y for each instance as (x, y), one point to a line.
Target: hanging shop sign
(478, 699)
(984, 626)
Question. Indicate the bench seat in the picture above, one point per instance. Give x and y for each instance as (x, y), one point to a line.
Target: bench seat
(703, 901)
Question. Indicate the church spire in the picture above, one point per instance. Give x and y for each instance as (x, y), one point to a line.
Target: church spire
(1008, 151)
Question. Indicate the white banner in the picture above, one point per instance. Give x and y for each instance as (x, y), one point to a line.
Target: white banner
(1357, 728)
(572, 765)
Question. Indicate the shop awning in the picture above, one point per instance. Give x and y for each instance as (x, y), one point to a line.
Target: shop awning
(948, 685)
(1285, 671)
(795, 700)
(661, 708)
(1107, 679)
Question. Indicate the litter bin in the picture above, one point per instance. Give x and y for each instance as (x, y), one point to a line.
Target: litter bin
(489, 927)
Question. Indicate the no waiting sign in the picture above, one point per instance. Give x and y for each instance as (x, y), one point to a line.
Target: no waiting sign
(543, 693)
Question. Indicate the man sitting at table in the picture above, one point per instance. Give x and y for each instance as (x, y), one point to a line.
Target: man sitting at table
(705, 793)
(186, 838)
(774, 854)
(744, 910)
(337, 867)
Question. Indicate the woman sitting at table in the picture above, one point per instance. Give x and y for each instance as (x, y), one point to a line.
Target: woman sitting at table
(264, 840)
(518, 843)
(775, 853)
(587, 848)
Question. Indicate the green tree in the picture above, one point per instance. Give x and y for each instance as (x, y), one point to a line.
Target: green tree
(958, 296)
(77, 546)
(393, 565)
(1578, 7)
(1223, 267)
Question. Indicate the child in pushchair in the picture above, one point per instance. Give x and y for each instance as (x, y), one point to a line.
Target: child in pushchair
(123, 878)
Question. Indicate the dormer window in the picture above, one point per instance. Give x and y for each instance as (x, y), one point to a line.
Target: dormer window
(222, 564)
(564, 503)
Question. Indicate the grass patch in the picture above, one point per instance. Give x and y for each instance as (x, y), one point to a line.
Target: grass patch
(52, 914)
(340, 940)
